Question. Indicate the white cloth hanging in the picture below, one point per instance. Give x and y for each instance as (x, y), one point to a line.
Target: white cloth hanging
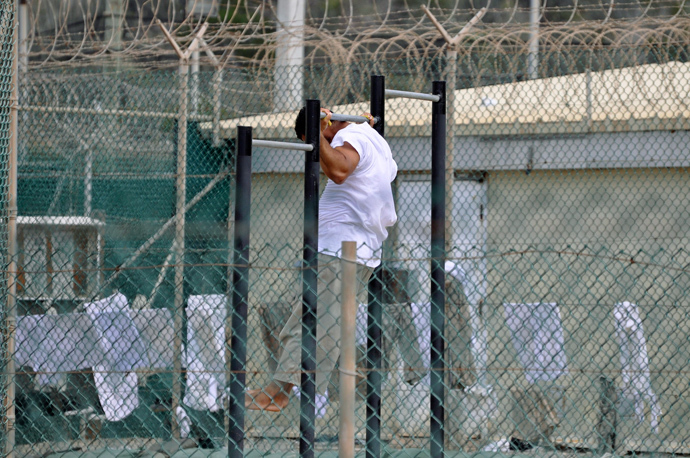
(205, 352)
(56, 344)
(124, 352)
(537, 336)
(454, 269)
(635, 375)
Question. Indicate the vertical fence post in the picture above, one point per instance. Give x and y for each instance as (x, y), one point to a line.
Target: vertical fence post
(374, 308)
(348, 358)
(180, 213)
(438, 225)
(10, 314)
(309, 280)
(240, 291)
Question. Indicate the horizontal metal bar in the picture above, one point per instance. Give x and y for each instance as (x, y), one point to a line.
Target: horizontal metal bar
(282, 145)
(346, 118)
(413, 95)
(107, 112)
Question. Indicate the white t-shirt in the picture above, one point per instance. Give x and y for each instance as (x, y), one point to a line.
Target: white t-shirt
(361, 208)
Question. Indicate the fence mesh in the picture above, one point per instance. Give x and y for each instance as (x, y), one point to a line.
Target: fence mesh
(566, 273)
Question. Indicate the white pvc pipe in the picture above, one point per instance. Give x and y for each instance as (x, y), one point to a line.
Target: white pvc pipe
(413, 95)
(348, 374)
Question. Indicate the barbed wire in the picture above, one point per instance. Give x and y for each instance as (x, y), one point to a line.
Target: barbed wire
(247, 35)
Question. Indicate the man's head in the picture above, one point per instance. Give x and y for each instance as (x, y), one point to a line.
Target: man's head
(328, 131)
(301, 123)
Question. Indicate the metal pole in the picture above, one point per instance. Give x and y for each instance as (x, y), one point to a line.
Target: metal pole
(180, 213)
(289, 73)
(309, 280)
(194, 92)
(240, 291)
(283, 145)
(347, 118)
(88, 182)
(438, 224)
(412, 95)
(217, 82)
(533, 56)
(11, 311)
(451, 78)
(374, 308)
(348, 374)
(23, 19)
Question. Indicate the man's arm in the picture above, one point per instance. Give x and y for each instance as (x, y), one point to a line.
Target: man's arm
(337, 163)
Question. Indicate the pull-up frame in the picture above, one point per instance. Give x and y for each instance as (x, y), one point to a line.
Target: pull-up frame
(238, 362)
(309, 277)
(438, 235)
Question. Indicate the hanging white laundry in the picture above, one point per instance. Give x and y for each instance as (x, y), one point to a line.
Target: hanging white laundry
(205, 352)
(635, 362)
(155, 326)
(56, 344)
(116, 382)
(454, 269)
(537, 335)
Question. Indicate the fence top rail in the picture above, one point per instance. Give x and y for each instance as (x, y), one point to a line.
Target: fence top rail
(413, 95)
(283, 145)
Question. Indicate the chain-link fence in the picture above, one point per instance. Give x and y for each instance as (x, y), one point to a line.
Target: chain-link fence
(566, 257)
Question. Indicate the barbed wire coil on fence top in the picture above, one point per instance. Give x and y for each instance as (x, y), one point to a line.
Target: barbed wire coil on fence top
(247, 35)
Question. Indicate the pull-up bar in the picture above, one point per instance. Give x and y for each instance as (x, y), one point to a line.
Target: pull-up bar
(413, 95)
(308, 147)
(348, 118)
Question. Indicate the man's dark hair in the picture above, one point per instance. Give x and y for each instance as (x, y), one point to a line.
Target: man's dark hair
(301, 123)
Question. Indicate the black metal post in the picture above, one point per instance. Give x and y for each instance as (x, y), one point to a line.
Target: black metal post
(375, 308)
(438, 256)
(240, 291)
(309, 280)
(378, 102)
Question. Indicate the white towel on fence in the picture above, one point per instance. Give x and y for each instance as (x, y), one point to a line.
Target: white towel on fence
(537, 335)
(635, 362)
(56, 344)
(205, 352)
(124, 351)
